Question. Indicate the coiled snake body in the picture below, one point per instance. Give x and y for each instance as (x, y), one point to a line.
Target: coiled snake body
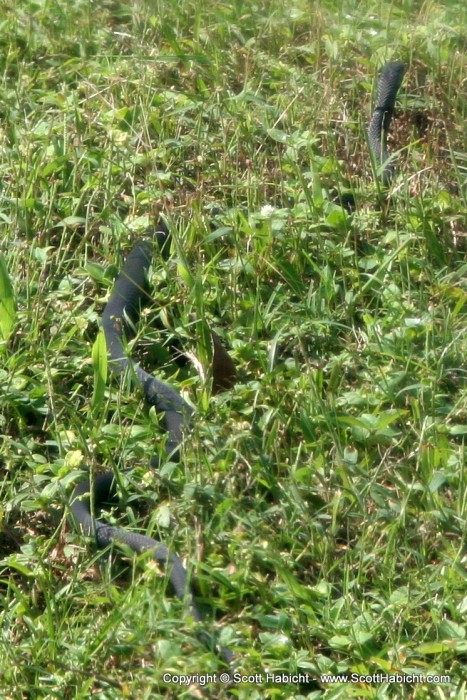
(127, 295)
(124, 303)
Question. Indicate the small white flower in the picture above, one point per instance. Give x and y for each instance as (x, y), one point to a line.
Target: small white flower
(268, 211)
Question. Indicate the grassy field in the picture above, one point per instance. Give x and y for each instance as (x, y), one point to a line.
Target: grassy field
(320, 505)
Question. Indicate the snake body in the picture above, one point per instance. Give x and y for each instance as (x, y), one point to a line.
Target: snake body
(388, 86)
(121, 311)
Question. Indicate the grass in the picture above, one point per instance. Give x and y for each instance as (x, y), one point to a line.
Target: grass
(321, 504)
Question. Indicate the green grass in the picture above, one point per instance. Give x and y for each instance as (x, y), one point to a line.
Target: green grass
(322, 503)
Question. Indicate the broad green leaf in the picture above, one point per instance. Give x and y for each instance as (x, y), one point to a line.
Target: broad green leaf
(14, 563)
(340, 641)
(218, 233)
(300, 591)
(437, 481)
(73, 459)
(72, 221)
(458, 429)
(355, 422)
(99, 363)
(388, 417)
(278, 135)
(451, 630)
(96, 272)
(163, 516)
(7, 303)
(337, 217)
(350, 455)
(433, 648)
(185, 274)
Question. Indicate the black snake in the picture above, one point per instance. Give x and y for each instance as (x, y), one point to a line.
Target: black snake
(121, 311)
(388, 86)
